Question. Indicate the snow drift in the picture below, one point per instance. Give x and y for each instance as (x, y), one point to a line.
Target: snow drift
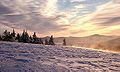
(19, 57)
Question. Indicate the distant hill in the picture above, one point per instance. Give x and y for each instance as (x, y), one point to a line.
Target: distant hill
(88, 41)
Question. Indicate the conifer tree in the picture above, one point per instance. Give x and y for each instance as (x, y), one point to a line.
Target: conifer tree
(27, 40)
(35, 40)
(64, 42)
(41, 42)
(13, 33)
(51, 42)
(0, 38)
(18, 37)
(31, 39)
(6, 35)
(46, 42)
(34, 35)
(25, 37)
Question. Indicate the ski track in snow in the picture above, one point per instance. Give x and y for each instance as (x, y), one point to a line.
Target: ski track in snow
(20, 57)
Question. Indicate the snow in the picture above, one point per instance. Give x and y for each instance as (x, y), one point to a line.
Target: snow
(20, 57)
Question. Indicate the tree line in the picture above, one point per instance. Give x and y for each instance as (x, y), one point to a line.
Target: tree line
(26, 38)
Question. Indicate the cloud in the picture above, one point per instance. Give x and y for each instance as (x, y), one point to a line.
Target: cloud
(61, 17)
(104, 20)
(77, 0)
(108, 16)
(50, 8)
(4, 9)
(31, 15)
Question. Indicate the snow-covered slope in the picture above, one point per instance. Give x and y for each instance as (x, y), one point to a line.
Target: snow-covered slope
(19, 57)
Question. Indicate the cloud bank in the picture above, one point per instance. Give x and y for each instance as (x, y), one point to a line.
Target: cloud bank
(61, 17)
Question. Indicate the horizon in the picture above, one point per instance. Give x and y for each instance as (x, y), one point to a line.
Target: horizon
(31, 33)
(61, 18)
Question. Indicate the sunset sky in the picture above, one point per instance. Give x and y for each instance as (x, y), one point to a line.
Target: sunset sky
(61, 17)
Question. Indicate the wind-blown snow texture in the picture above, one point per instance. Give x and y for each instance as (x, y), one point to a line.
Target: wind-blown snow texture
(19, 57)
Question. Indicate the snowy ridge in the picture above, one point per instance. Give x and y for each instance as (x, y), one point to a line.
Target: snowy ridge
(20, 57)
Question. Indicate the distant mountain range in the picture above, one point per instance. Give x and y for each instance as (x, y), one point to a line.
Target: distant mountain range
(93, 41)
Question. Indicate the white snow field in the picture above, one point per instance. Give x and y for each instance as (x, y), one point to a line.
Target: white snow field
(20, 57)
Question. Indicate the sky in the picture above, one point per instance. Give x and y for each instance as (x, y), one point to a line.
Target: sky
(61, 17)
